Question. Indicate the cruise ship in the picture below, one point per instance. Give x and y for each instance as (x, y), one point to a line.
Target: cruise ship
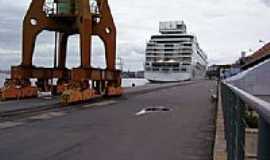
(174, 55)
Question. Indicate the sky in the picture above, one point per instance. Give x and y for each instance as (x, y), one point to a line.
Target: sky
(224, 28)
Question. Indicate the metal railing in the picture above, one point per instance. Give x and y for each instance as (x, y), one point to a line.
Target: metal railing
(166, 69)
(235, 103)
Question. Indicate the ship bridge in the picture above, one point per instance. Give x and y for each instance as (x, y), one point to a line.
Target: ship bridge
(172, 27)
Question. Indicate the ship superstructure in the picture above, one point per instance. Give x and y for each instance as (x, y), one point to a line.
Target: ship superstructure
(174, 55)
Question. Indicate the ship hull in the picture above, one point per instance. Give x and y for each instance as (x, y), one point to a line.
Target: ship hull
(159, 77)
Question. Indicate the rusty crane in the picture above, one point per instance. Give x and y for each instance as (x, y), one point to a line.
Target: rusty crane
(66, 18)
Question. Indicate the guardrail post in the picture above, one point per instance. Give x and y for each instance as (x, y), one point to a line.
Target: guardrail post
(228, 118)
(264, 140)
(240, 130)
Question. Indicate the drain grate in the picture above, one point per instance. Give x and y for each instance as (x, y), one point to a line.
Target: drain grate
(153, 109)
(157, 109)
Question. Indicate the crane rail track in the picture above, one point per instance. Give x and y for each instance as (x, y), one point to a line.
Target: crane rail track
(27, 112)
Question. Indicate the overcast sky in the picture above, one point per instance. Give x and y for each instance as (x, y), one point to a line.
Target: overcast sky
(224, 28)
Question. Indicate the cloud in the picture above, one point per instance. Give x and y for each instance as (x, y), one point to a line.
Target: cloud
(224, 28)
(266, 2)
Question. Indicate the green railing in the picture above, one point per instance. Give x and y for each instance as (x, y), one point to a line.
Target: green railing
(235, 103)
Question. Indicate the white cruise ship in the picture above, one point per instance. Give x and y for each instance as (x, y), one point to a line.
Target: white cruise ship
(174, 55)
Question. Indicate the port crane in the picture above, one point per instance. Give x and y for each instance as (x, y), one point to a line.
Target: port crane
(65, 18)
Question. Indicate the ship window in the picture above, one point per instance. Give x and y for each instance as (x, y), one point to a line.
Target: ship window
(166, 69)
(167, 59)
(155, 65)
(187, 44)
(165, 65)
(175, 65)
(187, 49)
(168, 49)
(186, 58)
(186, 64)
(147, 68)
(183, 69)
(148, 59)
(186, 53)
(172, 36)
(178, 59)
(168, 54)
(169, 45)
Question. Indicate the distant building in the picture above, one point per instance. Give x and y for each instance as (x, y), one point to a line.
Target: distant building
(4, 72)
(139, 74)
(256, 58)
(242, 64)
(129, 74)
(218, 71)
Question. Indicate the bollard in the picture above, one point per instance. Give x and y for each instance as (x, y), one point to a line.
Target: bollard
(264, 140)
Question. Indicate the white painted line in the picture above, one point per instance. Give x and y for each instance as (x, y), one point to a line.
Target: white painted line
(47, 98)
(57, 114)
(47, 115)
(99, 104)
(105, 103)
(41, 117)
(9, 124)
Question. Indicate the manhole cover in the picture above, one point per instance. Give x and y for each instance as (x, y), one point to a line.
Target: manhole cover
(153, 109)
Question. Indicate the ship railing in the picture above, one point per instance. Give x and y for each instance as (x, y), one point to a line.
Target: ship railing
(164, 39)
(236, 103)
(168, 50)
(174, 47)
(162, 52)
(174, 53)
(166, 69)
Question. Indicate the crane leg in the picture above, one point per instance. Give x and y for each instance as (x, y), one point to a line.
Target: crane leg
(78, 88)
(62, 54)
(106, 30)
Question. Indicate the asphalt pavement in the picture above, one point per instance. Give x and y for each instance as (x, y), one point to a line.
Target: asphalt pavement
(45, 101)
(113, 130)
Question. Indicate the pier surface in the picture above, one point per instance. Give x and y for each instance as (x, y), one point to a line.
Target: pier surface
(112, 129)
